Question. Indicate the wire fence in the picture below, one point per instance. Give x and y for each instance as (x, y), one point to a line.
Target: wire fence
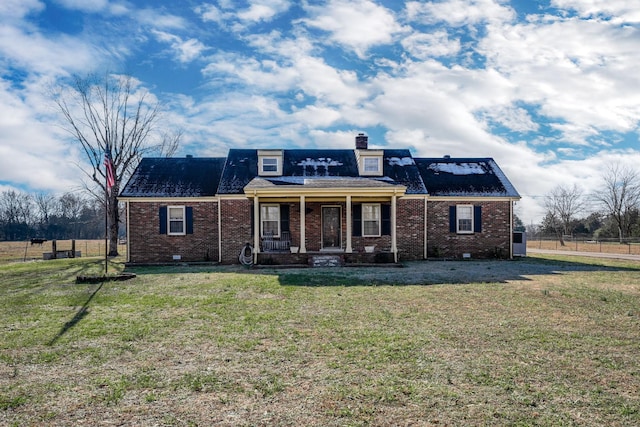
(629, 246)
(28, 251)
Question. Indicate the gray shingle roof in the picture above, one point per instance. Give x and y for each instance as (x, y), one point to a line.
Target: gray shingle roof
(201, 177)
(175, 177)
(467, 177)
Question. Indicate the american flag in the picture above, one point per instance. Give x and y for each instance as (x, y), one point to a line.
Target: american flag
(108, 164)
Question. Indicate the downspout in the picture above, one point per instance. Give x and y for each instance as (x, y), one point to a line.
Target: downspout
(394, 238)
(426, 249)
(303, 231)
(256, 228)
(510, 228)
(128, 233)
(349, 248)
(219, 231)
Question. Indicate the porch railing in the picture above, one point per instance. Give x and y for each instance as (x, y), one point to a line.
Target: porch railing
(274, 244)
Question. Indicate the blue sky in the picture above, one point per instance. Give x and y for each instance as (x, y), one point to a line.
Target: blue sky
(550, 89)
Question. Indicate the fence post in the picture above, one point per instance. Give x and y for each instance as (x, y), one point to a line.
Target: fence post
(54, 249)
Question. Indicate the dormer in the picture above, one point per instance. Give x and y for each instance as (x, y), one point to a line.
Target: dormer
(270, 162)
(369, 161)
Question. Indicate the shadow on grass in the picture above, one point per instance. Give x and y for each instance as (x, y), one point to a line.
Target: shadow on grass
(84, 310)
(430, 272)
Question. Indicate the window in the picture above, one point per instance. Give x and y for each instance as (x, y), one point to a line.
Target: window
(464, 215)
(465, 219)
(371, 219)
(176, 220)
(269, 164)
(371, 164)
(270, 220)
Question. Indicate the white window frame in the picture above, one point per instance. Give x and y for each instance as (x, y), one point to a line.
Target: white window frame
(269, 165)
(365, 162)
(263, 214)
(270, 162)
(176, 220)
(371, 165)
(377, 217)
(464, 213)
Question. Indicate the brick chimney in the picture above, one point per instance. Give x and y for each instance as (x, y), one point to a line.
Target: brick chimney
(362, 141)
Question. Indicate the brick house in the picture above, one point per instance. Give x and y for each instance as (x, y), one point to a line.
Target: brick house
(297, 206)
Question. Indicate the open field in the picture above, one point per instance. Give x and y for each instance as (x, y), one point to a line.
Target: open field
(609, 247)
(25, 251)
(531, 342)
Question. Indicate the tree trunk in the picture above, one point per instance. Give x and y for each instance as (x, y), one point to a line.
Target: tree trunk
(113, 220)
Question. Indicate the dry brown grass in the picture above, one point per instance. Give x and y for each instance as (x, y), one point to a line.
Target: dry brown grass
(583, 246)
(530, 342)
(25, 251)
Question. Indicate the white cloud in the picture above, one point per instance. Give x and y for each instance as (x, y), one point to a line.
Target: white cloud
(55, 55)
(513, 118)
(581, 72)
(184, 50)
(10, 10)
(358, 25)
(620, 10)
(459, 12)
(263, 10)
(423, 46)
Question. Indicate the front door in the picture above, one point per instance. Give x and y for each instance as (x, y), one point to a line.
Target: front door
(331, 230)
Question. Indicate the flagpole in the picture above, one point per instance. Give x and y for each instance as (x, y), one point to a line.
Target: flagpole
(106, 221)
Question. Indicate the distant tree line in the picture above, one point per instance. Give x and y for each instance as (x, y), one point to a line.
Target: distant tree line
(611, 211)
(70, 216)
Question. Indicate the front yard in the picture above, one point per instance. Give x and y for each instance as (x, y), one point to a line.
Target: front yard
(535, 341)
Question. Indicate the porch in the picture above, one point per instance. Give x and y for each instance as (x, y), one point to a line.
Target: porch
(352, 221)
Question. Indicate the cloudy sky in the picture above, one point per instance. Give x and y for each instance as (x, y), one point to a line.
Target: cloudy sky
(549, 88)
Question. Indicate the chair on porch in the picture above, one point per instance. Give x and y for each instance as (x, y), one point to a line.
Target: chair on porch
(272, 244)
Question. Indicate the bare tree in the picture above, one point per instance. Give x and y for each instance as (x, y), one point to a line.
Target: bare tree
(113, 115)
(620, 195)
(16, 216)
(46, 205)
(563, 203)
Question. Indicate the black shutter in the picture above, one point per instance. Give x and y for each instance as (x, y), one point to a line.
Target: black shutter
(163, 219)
(452, 219)
(189, 219)
(284, 218)
(386, 220)
(356, 212)
(477, 219)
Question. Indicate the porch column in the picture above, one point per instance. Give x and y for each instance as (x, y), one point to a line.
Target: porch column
(256, 228)
(349, 248)
(303, 234)
(394, 245)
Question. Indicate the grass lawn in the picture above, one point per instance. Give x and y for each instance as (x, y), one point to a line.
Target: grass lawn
(532, 342)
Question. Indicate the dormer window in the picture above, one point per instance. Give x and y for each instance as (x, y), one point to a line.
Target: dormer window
(370, 162)
(371, 165)
(270, 162)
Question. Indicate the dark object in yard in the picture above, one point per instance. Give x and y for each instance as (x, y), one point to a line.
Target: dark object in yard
(103, 278)
(246, 255)
(38, 241)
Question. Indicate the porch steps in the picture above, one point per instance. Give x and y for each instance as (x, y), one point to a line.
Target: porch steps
(326, 260)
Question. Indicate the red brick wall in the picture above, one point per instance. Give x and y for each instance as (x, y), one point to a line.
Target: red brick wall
(410, 229)
(492, 242)
(236, 228)
(147, 245)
